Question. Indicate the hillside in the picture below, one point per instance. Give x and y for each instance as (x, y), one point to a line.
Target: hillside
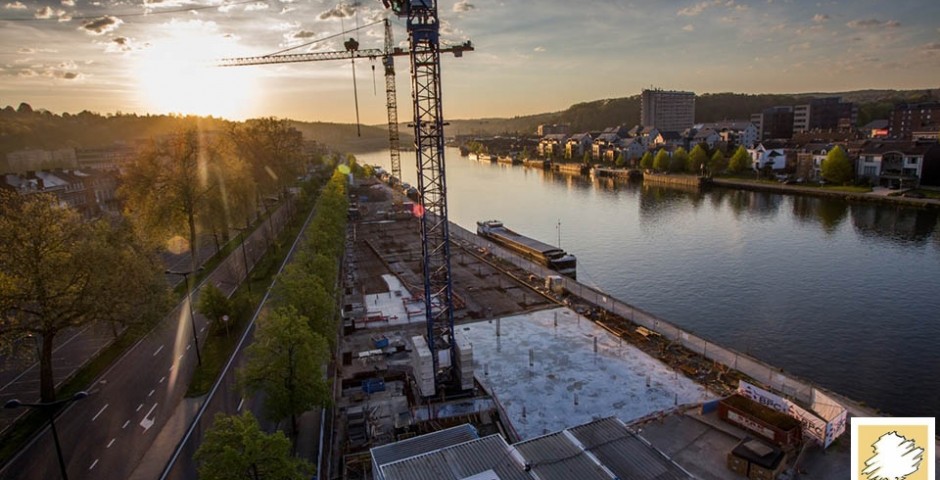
(709, 107)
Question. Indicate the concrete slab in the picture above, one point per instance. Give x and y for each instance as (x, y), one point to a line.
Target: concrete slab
(398, 305)
(550, 377)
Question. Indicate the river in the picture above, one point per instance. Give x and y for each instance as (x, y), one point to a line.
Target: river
(846, 295)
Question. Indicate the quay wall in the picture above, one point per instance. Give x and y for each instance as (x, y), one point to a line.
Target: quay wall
(575, 168)
(769, 375)
(683, 180)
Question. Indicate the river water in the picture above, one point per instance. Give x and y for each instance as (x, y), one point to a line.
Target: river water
(845, 295)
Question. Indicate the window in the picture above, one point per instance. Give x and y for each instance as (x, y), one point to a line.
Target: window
(912, 160)
(870, 171)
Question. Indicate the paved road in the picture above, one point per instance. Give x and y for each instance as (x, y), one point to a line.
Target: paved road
(107, 434)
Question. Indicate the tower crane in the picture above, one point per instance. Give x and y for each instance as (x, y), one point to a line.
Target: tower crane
(424, 51)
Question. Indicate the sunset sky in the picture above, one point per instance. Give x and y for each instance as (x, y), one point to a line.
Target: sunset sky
(531, 57)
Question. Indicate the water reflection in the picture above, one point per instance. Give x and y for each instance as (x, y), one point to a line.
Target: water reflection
(763, 205)
(894, 224)
(829, 213)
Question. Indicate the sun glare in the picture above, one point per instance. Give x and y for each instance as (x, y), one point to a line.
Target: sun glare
(177, 73)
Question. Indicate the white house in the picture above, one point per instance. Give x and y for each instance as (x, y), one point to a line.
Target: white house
(577, 144)
(762, 156)
(551, 144)
(631, 148)
(892, 163)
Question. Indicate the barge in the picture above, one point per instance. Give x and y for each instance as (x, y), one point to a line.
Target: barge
(539, 252)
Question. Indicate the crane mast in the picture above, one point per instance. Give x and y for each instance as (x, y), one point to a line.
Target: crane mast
(424, 44)
(391, 102)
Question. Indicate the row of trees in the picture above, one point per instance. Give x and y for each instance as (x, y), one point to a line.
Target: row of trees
(696, 161)
(292, 345)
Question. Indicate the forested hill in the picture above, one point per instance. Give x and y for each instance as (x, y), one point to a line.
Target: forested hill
(709, 107)
(25, 128)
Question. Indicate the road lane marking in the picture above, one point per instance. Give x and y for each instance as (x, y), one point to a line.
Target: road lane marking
(111, 443)
(139, 407)
(241, 401)
(203, 329)
(151, 393)
(93, 464)
(99, 412)
(126, 424)
(148, 422)
(180, 357)
(162, 379)
(158, 351)
(188, 347)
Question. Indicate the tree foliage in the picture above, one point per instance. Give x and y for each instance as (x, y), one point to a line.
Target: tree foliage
(646, 162)
(718, 162)
(286, 363)
(214, 304)
(837, 168)
(236, 448)
(661, 161)
(58, 271)
(698, 158)
(679, 160)
(273, 148)
(740, 161)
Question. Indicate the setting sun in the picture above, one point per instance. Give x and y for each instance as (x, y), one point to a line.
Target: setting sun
(178, 73)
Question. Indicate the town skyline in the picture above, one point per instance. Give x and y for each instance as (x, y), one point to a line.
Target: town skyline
(71, 55)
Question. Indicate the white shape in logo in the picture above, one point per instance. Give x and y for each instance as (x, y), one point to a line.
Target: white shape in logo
(895, 458)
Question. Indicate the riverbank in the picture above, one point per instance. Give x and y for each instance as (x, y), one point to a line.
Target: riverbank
(825, 192)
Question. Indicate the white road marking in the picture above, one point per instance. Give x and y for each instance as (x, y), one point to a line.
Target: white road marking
(151, 393)
(180, 357)
(162, 379)
(139, 407)
(241, 401)
(99, 412)
(203, 329)
(111, 443)
(126, 424)
(93, 464)
(188, 347)
(148, 422)
(158, 351)
(171, 368)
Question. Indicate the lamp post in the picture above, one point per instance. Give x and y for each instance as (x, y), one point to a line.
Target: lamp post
(50, 407)
(244, 232)
(192, 317)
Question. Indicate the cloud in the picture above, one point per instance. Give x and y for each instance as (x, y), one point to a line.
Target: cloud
(26, 50)
(304, 34)
(120, 45)
(820, 18)
(253, 7)
(68, 3)
(800, 46)
(689, 28)
(340, 11)
(15, 6)
(873, 22)
(695, 9)
(538, 49)
(464, 6)
(100, 26)
(44, 12)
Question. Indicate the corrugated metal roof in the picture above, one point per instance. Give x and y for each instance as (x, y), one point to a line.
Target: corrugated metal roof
(423, 444)
(459, 462)
(555, 457)
(623, 453)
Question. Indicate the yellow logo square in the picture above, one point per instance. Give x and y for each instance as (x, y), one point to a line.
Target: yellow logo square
(886, 448)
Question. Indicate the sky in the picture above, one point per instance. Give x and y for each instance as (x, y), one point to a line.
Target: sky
(159, 56)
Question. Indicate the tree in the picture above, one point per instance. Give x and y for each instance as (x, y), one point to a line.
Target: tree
(679, 160)
(718, 162)
(586, 158)
(273, 148)
(698, 158)
(646, 162)
(214, 305)
(235, 447)
(303, 290)
(740, 161)
(661, 161)
(166, 189)
(621, 161)
(58, 272)
(286, 363)
(837, 168)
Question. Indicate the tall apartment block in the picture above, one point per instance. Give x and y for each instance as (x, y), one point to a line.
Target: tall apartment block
(667, 110)
(910, 120)
(829, 113)
(774, 123)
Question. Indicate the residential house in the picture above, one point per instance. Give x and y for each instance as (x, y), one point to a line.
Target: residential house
(604, 145)
(705, 135)
(88, 192)
(809, 160)
(876, 129)
(898, 163)
(649, 136)
(735, 132)
(577, 144)
(673, 139)
(551, 145)
(773, 155)
(631, 148)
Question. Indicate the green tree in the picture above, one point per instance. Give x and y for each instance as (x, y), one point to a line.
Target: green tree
(621, 161)
(646, 162)
(740, 161)
(698, 158)
(303, 290)
(679, 160)
(718, 162)
(273, 148)
(586, 158)
(58, 272)
(166, 191)
(661, 161)
(235, 447)
(214, 305)
(286, 363)
(837, 168)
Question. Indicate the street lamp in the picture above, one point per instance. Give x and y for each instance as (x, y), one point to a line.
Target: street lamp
(51, 408)
(192, 317)
(244, 232)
